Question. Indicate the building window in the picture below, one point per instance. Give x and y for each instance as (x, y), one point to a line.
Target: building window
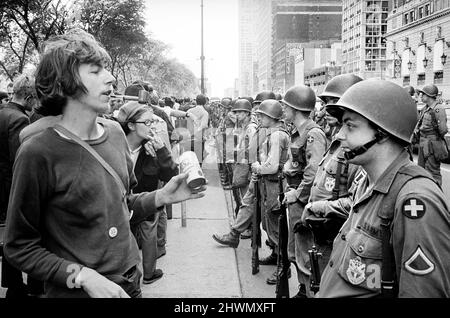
(420, 11)
(427, 9)
(405, 20)
(411, 16)
(438, 76)
(406, 80)
(420, 79)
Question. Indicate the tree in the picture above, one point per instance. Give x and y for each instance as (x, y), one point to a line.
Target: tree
(24, 26)
(119, 26)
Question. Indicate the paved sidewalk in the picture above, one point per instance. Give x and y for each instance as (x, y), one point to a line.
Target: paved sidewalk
(194, 266)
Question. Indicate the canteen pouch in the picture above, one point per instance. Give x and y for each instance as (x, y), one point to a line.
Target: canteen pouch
(439, 149)
(241, 175)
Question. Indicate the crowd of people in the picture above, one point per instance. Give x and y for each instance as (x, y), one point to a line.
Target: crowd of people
(85, 178)
(351, 188)
(88, 175)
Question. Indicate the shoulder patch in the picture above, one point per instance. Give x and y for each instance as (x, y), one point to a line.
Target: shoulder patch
(413, 208)
(310, 139)
(361, 174)
(419, 263)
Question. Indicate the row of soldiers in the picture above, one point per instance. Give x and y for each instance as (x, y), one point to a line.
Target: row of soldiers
(352, 195)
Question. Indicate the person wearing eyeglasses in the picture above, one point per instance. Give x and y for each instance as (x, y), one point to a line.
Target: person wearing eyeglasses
(152, 163)
(72, 202)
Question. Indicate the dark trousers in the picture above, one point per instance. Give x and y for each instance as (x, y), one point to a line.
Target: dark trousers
(12, 279)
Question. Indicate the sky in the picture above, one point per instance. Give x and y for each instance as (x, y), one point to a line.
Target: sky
(177, 23)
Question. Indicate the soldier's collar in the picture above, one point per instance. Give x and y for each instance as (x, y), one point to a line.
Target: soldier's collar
(385, 181)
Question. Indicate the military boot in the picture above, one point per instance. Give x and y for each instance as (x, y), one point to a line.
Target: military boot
(301, 292)
(231, 239)
(272, 280)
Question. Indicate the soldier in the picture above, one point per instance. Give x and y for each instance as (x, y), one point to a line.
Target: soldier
(412, 92)
(274, 153)
(329, 200)
(395, 240)
(430, 131)
(333, 91)
(247, 207)
(243, 133)
(241, 171)
(308, 144)
(224, 151)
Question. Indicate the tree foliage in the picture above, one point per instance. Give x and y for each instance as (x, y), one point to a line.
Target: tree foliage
(118, 24)
(24, 26)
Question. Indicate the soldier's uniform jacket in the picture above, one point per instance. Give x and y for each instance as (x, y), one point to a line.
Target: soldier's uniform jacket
(273, 155)
(308, 144)
(330, 193)
(428, 131)
(244, 135)
(226, 126)
(420, 232)
(331, 132)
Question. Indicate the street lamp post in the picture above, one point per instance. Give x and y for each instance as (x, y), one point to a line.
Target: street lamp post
(202, 57)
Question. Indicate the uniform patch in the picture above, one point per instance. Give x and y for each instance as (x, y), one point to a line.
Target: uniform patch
(295, 164)
(310, 139)
(329, 183)
(356, 271)
(413, 208)
(419, 263)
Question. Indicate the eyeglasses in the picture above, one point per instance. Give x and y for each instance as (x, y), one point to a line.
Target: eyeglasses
(147, 122)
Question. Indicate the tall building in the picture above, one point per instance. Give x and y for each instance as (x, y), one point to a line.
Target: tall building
(418, 36)
(246, 11)
(364, 24)
(296, 23)
(263, 45)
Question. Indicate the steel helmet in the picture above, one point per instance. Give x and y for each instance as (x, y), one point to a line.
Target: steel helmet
(410, 90)
(250, 99)
(338, 85)
(226, 102)
(262, 96)
(300, 97)
(383, 103)
(430, 90)
(242, 105)
(271, 108)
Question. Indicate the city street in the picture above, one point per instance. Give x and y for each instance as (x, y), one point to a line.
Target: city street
(196, 266)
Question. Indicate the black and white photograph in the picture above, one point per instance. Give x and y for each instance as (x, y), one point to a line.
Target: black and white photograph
(217, 156)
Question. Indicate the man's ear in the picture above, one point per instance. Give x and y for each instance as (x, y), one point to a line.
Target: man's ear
(131, 126)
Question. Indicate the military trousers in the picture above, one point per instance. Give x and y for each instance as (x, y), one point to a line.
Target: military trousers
(246, 210)
(429, 162)
(299, 243)
(269, 218)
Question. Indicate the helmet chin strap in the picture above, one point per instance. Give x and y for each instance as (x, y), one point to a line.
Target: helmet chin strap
(362, 149)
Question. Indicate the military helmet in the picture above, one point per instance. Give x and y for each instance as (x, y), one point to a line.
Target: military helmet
(338, 85)
(430, 90)
(262, 96)
(226, 102)
(410, 90)
(300, 97)
(382, 103)
(250, 99)
(271, 108)
(242, 105)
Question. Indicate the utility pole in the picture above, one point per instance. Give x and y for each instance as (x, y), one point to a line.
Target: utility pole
(202, 57)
